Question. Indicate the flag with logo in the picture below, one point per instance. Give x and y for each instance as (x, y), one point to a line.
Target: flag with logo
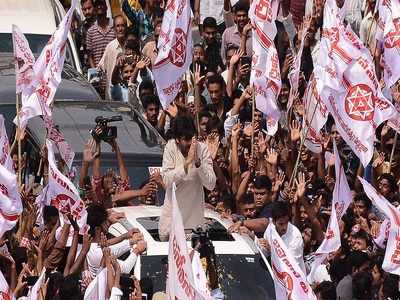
(316, 115)
(5, 156)
(289, 280)
(265, 73)
(180, 282)
(341, 200)
(96, 289)
(348, 85)
(47, 73)
(24, 60)
(391, 261)
(174, 50)
(10, 200)
(5, 292)
(62, 193)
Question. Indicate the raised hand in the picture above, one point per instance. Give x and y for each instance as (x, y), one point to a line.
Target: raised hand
(198, 79)
(236, 131)
(272, 157)
(300, 186)
(279, 180)
(295, 130)
(143, 63)
(235, 57)
(89, 151)
(212, 143)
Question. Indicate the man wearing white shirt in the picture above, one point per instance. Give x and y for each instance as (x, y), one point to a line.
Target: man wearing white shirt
(289, 233)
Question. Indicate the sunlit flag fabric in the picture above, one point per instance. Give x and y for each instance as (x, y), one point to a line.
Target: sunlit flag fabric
(34, 293)
(265, 73)
(391, 261)
(180, 282)
(289, 280)
(5, 291)
(348, 85)
(5, 156)
(10, 200)
(342, 198)
(47, 72)
(174, 50)
(96, 290)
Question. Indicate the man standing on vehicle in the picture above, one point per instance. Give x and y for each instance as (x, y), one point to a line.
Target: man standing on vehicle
(188, 164)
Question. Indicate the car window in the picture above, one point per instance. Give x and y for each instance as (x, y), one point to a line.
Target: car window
(36, 43)
(216, 231)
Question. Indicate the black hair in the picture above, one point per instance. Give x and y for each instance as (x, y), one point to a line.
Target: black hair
(326, 290)
(157, 12)
(361, 281)
(134, 45)
(364, 198)
(198, 45)
(55, 281)
(96, 216)
(241, 6)
(236, 94)
(216, 78)
(357, 258)
(390, 287)
(247, 198)
(70, 288)
(146, 85)
(280, 209)
(204, 114)
(229, 200)
(262, 182)
(209, 22)
(215, 123)
(147, 286)
(49, 212)
(231, 47)
(131, 30)
(183, 127)
(338, 269)
(83, 2)
(392, 181)
(98, 2)
(147, 100)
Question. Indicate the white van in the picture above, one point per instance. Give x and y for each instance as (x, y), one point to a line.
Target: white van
(242, 275)
(37, 19)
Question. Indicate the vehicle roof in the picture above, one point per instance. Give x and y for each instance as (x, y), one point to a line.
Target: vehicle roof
(73, 85)
(240, 244)
(32, 16)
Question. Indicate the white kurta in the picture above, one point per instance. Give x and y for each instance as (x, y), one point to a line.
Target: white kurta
(189, 187)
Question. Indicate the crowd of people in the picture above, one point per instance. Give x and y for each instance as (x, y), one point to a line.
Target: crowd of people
(217, 152)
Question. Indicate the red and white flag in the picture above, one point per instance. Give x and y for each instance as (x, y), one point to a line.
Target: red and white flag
(265, 73)
(10, 200)
(391, 262)
(349, 86)
(174, 50)
(294, 74)
(5, 291)
(53, 133)
(5, 156)
(316, 115)
(289, 280)
(47, 73)
(62, 193)
(96, 289)
(180, 281)
(342, 198)
(24, 60)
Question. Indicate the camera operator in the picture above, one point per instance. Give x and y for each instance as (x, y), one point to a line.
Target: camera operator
(188, 163)
(109, 189)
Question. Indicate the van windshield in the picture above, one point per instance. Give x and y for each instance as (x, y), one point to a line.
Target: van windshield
(36, 43)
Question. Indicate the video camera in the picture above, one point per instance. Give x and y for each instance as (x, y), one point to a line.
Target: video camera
(108, 133)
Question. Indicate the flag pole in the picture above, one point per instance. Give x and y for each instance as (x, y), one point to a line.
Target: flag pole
(392, 153)
(18, 98)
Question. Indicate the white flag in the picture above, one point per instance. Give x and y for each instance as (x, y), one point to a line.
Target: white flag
(341, 200)
(24, 60)
(383, 234)
(294, 74)
(5, 291)
(62, 193)
(265, 73)
(96, 290)
(174, 50)
(10, 200)
(289, 280)
(391, 262)
(53, 133)
(5, 156)
(47, 72)
(349, 86)
(316, 115)
(180, 281)
(34, 292)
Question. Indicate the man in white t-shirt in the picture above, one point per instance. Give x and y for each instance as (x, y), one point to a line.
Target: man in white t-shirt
(289, 233)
